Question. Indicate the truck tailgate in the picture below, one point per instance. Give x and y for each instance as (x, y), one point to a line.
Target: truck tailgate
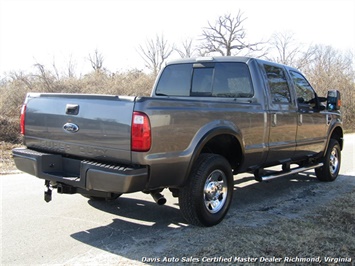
(90, 126)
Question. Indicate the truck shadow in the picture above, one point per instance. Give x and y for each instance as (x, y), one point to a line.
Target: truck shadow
(248, 191)
(142, 223)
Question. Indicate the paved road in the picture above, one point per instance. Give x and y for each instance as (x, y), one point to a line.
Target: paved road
(74, 230)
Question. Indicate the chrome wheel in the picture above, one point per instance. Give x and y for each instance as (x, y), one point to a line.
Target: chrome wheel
(205, 199)
(215, 191)
(331, 162)
(334, 161)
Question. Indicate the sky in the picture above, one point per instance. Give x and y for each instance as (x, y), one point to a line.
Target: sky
(63, 31)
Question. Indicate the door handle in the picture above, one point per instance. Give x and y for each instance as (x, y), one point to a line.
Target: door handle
(72, 109)
(300, 119)
(274, 120)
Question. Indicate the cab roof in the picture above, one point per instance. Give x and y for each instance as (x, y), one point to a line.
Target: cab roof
(214, 59)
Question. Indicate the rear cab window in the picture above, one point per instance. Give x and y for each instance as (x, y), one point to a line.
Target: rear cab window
(219, 79)
(175, 80)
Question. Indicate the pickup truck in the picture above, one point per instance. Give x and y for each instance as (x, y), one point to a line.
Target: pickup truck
(206, 120)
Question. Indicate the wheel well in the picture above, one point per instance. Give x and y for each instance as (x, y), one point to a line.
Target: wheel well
(227, 146)
(337, 134)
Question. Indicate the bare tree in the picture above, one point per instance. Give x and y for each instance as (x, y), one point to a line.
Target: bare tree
(155, 52)
(96, 60)
(226, 35)
(22, 77)
(56, 72)
(328, 68)
(187, 49)
(71, 68)
(306, 57)
(287, 50)
(46, 76)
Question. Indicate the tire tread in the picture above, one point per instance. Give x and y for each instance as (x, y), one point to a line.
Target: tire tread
(190, 202)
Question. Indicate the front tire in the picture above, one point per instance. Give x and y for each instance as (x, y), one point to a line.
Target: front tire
(331, 163)
(205, 199)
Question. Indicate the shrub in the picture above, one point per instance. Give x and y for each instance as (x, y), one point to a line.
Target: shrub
(13, 91)
(10, 130)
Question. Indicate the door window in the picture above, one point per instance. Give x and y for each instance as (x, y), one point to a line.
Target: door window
(232, 80)
(279, 90)
(306, 96)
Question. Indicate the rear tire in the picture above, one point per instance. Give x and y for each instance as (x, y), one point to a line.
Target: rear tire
(205, 199)
(331, 163)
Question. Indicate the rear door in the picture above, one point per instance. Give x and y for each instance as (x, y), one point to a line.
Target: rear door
(282, 114)
(312, 128)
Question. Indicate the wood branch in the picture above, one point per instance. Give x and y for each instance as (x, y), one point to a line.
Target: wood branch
(155, 52)
(227, 34)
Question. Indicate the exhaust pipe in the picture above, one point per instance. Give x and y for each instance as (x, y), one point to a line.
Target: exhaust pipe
(158, 198)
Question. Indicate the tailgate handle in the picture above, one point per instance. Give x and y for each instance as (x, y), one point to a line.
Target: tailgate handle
(72, 109)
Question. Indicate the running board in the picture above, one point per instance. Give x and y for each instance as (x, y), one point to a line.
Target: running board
(290, 172)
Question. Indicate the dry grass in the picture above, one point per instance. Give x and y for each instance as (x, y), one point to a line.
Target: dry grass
(10, 129)
(14, 87)
(13, 91)
(330, 231)
(7, 164)
(326, 231)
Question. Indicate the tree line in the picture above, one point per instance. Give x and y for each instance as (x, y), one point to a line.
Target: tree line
(325, 67)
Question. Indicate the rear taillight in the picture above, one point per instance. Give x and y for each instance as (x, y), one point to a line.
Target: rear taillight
(141, 133)
(22, 119)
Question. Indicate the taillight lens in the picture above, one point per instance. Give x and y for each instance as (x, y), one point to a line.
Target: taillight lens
(141, 132)
(22, 119)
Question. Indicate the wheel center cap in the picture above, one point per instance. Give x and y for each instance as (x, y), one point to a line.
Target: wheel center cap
(212, 190)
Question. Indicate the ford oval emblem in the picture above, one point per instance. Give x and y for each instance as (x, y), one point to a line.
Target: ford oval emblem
(70, 127)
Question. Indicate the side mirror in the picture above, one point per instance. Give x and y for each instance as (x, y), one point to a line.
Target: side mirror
(333, 100)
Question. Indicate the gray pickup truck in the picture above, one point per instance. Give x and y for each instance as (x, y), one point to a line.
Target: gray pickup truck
(206, 120)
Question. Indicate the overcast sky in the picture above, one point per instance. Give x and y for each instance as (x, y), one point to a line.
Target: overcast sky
(58, 31)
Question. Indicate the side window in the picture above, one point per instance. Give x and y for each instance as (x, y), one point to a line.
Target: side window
(175, 80)
(232, 80)
(304, 91)
(280, 92)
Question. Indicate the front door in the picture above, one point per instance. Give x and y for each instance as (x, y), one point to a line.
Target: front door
(312, 122)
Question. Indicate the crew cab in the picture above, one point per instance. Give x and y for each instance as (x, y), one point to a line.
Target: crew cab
(207, 119)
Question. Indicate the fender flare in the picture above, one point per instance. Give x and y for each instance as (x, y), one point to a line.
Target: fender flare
(335, 126)
(205, 134)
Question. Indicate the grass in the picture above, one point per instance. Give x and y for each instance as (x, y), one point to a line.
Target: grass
(329, 232)
(6, 162)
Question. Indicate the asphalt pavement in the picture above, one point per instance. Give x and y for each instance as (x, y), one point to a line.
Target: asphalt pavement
(72, 229)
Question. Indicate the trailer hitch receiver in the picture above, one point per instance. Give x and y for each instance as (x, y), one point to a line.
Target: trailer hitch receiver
(47, 191)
